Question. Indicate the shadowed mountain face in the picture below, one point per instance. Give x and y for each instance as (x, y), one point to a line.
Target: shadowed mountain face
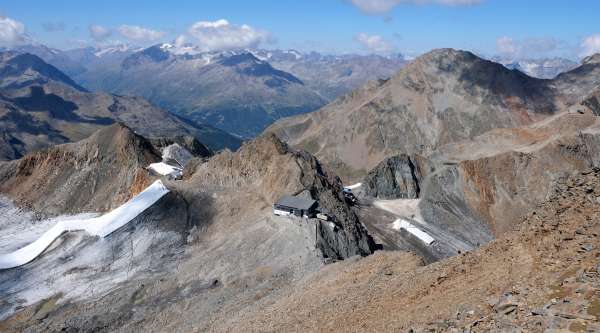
(22, 69)
(40, 106)
(441, 97)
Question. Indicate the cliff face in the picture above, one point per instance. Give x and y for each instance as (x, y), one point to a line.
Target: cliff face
(270, 169)
(80, 177)
(396, 177)
(481, 187)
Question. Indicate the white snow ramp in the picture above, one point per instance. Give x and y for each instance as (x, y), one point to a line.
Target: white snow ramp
(98, 226)
(422, 235)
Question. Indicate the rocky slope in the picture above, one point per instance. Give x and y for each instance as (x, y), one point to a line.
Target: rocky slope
(212, 242)
(542, 277)
(270, 169)
(496, 178)
(579, 82)
(79, 177)
(41, 106)
(442, 97)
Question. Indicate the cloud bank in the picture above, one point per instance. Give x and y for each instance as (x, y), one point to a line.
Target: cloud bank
(140, 34)
(222, 35)
(373, 43)
(508, 47)
(99, 33)
(376, 7)
(590, 45)
(12, 32)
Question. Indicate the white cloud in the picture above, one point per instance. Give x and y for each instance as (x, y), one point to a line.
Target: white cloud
(99, 33)
(11, 32)
(222, 35)
(385, 6)
(139, 34)
(508, 47)
(374, 43)
(590, 45)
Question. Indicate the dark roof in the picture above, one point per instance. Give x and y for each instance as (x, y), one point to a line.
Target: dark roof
(296, 202)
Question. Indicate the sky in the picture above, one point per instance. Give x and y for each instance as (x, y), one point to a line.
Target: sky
(508, 28)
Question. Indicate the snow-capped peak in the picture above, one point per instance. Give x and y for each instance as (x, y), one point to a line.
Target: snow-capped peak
(100, 52)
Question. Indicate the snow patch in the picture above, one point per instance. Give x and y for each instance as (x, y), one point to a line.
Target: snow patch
(400, 224)
(165, 169)
(353, 187)
(98, 226)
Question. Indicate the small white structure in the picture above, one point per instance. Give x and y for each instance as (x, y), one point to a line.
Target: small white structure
(98, 226)
(352, 187)
(400, 224)
(165, 169)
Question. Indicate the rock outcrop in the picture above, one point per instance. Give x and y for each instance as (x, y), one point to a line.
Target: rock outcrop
(268, 167)
(396, 177)
(190, 143)
(80, 177)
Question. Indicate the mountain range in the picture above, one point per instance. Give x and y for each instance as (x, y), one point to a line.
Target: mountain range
(474, 204)
(540, 68)
(441, 97)
(241, 92)
(41, 106)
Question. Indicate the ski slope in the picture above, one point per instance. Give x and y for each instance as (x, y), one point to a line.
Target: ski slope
(98, 226)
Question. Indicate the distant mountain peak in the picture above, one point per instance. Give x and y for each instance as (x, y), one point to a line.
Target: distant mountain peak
(241, 58)
(20, 67)
(593, 59)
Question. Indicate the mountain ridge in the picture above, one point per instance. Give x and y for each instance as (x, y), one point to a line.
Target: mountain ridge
(441, 97)
(51, 108)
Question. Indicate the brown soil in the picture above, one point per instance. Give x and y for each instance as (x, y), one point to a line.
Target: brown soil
(542, 277)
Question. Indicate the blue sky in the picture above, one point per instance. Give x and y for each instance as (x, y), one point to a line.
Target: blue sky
(514, 28)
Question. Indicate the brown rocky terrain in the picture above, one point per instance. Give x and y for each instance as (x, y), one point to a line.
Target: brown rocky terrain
(502, 169)
(80, 177)
(212, 242)
(442, 97)
(492, 180)
(545, 276)
(269, 169)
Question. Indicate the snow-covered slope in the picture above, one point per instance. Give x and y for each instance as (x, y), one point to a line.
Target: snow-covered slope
(99, 226)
